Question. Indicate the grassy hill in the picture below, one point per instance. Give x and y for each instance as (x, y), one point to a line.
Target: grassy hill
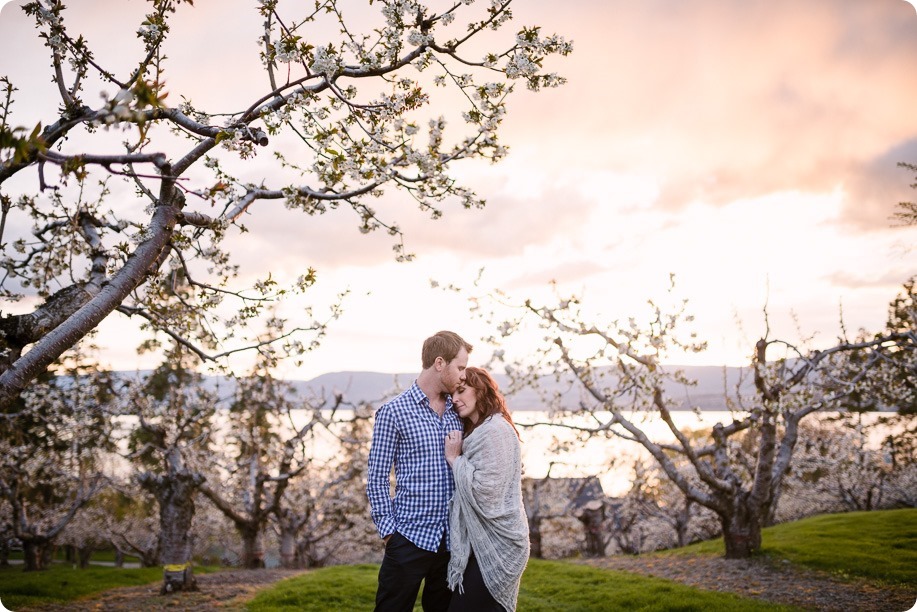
(879, 545)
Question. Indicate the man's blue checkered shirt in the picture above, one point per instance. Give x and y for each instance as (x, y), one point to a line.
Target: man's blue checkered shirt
(410, 434)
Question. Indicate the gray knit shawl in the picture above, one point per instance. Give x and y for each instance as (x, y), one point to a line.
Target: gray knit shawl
(486, 512)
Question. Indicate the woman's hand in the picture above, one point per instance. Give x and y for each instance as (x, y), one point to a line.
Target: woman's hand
(453, 446)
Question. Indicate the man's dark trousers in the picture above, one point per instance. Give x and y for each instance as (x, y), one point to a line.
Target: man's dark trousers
(403, 568)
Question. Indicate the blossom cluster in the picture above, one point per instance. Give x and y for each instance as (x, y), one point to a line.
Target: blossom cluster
(325, 61)
(149, 32)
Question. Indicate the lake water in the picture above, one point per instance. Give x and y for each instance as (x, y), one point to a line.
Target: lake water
(611, 458)
(562, 453)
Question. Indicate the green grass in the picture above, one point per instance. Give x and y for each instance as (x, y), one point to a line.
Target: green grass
(343, 587)
(547, 586)
(554, 585)
(62, 583)
(877, 545)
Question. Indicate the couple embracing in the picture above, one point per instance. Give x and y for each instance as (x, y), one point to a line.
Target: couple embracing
(456, 521)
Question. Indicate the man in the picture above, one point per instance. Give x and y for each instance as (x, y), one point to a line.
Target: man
(409, 433)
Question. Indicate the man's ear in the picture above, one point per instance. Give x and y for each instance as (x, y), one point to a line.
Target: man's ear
(440, 364)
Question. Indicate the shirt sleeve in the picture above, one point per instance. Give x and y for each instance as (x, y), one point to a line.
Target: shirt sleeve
(378, 472)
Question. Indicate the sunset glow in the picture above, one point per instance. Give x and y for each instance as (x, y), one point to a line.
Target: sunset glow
(748, 148)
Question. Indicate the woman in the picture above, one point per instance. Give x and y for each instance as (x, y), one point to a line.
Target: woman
(489, 532)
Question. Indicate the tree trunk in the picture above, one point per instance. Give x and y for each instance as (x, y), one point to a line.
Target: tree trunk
(682, 523)
(252, 548)
(4, 551)
(119, 558)
(770, 517)
(176, 511)
(83, 555)
(742, 532)
(308, 554)
(593, 520)
(74, 325)
(37, 553)
(150, 558)
(32, 555)
(46, 552)
(288, 558)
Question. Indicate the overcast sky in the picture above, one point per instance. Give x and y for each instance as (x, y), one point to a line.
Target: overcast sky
(748, 147)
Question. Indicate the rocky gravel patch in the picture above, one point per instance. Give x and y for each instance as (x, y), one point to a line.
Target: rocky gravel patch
(775, 582)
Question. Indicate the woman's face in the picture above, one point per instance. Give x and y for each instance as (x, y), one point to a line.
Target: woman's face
(464, 401)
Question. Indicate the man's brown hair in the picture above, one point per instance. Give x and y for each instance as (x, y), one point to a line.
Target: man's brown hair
(445, 344)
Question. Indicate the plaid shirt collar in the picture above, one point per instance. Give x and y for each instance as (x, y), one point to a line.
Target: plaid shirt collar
(421, 399)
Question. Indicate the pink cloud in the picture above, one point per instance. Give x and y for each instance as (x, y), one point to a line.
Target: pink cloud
(726, 100)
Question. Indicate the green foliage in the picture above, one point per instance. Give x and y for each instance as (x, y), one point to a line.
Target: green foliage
(878, 545)
(119, 505)
(15, 147)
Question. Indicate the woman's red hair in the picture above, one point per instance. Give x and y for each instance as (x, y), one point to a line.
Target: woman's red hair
(488, 399)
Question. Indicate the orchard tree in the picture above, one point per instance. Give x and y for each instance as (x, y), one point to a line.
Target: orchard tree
(618, 368)
(324, 513)
(570, 507)
(170, 445)
(271, 465)
(895, 382)
(139, 227)
(82, 536)
(126, 517)
(318, 513)
(6, 534)
(264, 449)
(654, 500)
(834, 470)
(882, 403)
(53, 441)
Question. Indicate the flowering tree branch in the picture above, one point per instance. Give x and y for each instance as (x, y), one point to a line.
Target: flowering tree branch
(359, 104)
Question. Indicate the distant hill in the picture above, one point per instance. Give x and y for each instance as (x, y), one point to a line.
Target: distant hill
(374, 387)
